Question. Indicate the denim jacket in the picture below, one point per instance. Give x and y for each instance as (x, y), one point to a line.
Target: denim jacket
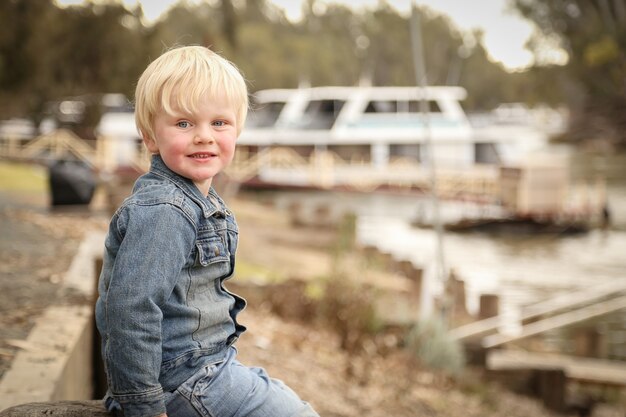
(163, 312)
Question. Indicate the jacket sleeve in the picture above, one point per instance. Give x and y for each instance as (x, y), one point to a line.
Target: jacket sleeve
(155, 243)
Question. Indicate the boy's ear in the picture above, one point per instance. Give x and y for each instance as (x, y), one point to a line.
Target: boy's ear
(150, 143)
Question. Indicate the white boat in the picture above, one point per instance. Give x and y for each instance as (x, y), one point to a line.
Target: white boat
(378, 138)
(379, 124)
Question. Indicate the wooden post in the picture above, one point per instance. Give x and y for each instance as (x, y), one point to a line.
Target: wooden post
(587, 342)
(456, 292)
(294, 210)
(415, 275)
(475, 353)
(552, 383)
(322, 216)
(411, 272)
(489, 306)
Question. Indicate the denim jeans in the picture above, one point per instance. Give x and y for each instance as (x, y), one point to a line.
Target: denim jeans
(229, 389)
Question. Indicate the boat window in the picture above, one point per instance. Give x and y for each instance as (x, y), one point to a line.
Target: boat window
(401, 106)
(411, 151)
(382, 106)
(433, 106)
(321, 114)
(265, 114)
(486, 153)
(352, 153)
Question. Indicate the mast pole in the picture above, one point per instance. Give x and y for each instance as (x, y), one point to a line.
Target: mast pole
(420, 73)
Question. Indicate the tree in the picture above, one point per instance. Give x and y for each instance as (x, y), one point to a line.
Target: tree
(48, 53)
(24, 56)
(593, 32)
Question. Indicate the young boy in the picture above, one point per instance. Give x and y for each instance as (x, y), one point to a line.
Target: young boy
(168, 325)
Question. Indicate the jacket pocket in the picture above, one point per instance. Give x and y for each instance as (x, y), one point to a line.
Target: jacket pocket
(211, 250)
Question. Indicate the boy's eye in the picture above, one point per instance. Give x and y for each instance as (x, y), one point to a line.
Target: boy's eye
(219, 123)
(183, 124)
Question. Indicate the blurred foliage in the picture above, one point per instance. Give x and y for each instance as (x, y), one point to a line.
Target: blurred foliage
(593, 33)
(430, 341)
(49, 52)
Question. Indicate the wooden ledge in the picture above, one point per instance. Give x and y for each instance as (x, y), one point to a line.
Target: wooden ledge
(58, 408)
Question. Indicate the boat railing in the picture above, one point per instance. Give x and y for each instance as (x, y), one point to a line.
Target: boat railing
(326, 169)
(532, 192)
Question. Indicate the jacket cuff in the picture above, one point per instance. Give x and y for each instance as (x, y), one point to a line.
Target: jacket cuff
(147, 406)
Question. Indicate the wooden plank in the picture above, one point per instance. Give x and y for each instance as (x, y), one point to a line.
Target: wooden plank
(573, 299)
(476, 329)
(577, 368)
(560, 320)
(91, 408)
(547, 307)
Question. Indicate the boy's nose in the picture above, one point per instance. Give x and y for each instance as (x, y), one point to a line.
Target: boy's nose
(204, 135)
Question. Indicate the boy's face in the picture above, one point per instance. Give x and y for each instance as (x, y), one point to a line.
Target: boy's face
(196, 146)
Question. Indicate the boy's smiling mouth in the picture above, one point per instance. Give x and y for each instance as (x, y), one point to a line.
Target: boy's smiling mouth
(202, 155)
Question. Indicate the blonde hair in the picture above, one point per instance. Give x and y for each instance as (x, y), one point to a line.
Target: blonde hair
(181, 78)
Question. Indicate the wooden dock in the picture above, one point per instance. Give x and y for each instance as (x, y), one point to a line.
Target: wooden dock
(587, 370)
(565, 319)
(494, 349)
(564, 310)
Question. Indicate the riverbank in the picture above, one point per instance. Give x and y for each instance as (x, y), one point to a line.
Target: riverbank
(374, 381)
(38, 245)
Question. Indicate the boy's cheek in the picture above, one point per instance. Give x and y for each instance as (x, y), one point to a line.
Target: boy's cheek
(230, 146)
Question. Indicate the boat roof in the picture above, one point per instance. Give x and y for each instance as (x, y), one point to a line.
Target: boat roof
(346, 93)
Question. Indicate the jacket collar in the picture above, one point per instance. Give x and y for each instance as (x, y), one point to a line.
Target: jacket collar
(210, 205)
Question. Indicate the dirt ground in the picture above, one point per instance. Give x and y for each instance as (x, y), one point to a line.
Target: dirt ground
(37, 245)
(36, 249)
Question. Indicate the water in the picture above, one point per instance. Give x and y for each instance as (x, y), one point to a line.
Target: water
(521, 269)
(519, 266)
